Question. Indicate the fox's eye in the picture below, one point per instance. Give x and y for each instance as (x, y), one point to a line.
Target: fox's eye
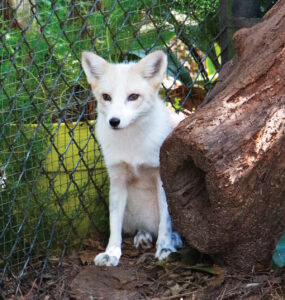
(106, 97)
(133, 97)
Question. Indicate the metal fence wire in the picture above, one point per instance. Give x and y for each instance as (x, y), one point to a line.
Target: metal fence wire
(53, 184)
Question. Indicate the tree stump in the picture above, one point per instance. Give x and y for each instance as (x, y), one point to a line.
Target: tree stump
(223, 168)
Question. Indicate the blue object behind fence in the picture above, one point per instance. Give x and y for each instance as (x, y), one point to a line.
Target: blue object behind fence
(279, 254)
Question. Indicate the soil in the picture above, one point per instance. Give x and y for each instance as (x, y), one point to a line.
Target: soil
(185, 275)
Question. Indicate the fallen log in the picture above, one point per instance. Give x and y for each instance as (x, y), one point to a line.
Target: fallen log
(223, 168)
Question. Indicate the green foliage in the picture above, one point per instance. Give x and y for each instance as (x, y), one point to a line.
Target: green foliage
(39, 67)
(211, 67)
(200, 9)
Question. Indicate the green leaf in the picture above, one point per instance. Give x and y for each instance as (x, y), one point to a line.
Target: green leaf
(211, 70)
(203, 268)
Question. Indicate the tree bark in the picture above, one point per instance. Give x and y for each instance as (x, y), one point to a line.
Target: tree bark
(223, 168)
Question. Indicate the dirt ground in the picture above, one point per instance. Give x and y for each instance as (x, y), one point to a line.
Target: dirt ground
(186, 275)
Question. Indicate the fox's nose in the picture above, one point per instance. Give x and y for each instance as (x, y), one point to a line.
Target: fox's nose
(114, 122)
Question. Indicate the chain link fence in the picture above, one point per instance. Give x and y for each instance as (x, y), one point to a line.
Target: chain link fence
(53, 184)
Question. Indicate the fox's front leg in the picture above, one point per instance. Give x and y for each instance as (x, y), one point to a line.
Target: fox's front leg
(167, 241)
(117, 204)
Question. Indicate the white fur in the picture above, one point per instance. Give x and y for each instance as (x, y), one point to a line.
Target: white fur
(131, 152)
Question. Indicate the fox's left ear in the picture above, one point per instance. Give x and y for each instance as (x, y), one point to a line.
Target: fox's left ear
(153, 67)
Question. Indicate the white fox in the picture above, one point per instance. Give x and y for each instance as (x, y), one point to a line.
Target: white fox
(132, 124)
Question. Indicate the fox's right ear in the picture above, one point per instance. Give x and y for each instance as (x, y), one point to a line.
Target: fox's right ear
(153, 66)
(93, 66)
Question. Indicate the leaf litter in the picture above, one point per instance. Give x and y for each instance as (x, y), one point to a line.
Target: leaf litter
(140, 276)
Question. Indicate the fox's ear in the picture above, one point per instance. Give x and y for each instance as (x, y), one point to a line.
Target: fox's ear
(153, 66)
(93, 66)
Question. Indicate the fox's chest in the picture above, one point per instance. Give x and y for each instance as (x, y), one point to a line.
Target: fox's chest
(132, 151)
(136, 145)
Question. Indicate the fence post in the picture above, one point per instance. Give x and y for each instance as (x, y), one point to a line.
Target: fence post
(236, 14)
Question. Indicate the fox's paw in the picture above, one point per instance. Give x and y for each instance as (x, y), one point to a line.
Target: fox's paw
(167, 245)
(143, 240)
(176, 240)
(163, 253)
(104, 259)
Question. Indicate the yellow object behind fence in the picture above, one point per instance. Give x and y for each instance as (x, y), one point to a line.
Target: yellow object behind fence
(76, 178)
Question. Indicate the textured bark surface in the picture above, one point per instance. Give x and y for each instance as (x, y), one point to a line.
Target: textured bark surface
(223, 168)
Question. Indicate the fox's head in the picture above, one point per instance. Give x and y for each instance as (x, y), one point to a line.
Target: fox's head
(124, 92)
